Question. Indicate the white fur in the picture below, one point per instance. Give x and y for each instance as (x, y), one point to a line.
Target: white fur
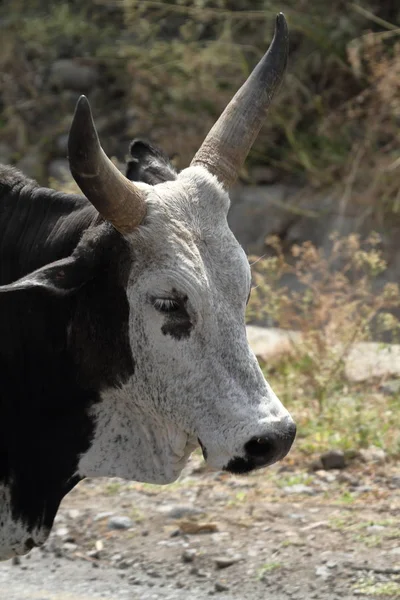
(14, 532)
(208, 386)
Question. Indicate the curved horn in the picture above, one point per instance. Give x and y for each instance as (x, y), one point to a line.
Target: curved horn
(115, 197)
(226, 146)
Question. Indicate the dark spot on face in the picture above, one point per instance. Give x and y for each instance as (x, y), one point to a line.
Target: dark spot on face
(178, 323)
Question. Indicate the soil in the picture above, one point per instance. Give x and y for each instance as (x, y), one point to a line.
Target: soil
(286, 532)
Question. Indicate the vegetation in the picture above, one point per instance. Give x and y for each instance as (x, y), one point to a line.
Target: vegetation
(331, 300)
(173, 64)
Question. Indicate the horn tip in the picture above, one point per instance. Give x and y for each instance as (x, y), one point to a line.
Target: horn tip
(281, 24)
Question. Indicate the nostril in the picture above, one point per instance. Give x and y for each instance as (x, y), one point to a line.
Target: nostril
(260, 447)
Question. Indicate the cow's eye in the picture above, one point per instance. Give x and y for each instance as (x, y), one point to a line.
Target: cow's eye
(166, 305)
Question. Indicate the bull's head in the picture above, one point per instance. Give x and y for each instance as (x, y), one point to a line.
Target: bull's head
(194, 378)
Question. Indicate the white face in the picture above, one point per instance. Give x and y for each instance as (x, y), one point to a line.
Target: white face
(195, 376)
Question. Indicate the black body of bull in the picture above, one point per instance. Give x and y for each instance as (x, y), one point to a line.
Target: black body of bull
(61, 344)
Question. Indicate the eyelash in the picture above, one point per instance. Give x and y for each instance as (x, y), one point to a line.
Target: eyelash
(166, 305)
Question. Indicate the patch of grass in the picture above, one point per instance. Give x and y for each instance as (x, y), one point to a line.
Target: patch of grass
(370, 587)
(113, 488)
(268, 568)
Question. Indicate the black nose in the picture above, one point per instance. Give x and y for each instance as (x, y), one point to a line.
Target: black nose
(266, 449)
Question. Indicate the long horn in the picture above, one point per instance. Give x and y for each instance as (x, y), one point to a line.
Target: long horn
(115, 197)
(225, 148)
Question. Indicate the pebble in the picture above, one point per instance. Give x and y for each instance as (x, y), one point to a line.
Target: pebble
(373, 454)
(222, 562)
(333, 459)
(299, 488)
(221, 587)
(101, 516)
(119, 523)
(180, 511)
(323, 572)
(395, 481)
(391, 387)
(70, 547)
(189, 555)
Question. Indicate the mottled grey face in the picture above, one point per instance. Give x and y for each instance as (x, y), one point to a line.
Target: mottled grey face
(196, 379)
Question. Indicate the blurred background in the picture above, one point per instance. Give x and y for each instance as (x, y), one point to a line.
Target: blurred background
(317, 209)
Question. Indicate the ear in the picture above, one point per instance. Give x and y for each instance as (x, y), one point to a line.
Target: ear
(61, 277)
(148, 164)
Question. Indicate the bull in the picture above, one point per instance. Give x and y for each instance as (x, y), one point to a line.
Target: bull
(122, 320)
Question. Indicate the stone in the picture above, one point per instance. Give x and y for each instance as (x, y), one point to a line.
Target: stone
(221, 587)
(222, 562)
(391, 387)
(188, 555)
(299, 488)
(74, 75)
(323, 572)
(373, 454)
(333, 459)
(271, 343)
(119, 523)
(172, 511)
(70, 547)
(395, 481)
(101, 516)
(370, 360)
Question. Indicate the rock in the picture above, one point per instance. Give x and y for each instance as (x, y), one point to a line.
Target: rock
(333, 459)
(369, 360)
(16, 561)
(188, 555)
(222, 562)
(375, 528)
(73, 513)
(70, 547)
(299, 488)
(373, 454)
(271, 343)
(73, 75)
(221, 587)
(117, 522)
(59, 169)
(391, 387)
(395, 481)
(62, 532)
(101, 516)
(172, 511)
(323, 572)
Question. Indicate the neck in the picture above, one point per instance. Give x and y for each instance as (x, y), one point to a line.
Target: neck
(37, 225)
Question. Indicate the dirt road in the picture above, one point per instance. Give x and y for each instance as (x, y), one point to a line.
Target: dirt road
(282, 533)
